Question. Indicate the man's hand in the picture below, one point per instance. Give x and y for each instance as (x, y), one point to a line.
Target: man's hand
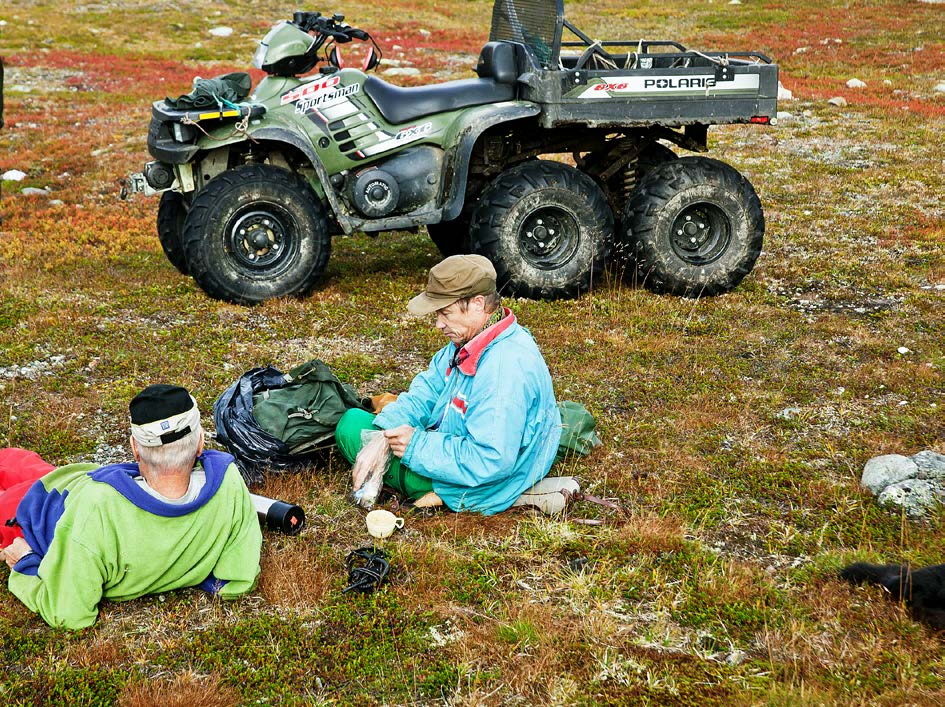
(15, 550)
(398, 438)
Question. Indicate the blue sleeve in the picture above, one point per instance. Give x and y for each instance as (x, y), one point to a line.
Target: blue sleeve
(495, 427)
(415, 407)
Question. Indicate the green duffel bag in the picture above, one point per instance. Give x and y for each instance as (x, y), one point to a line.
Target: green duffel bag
(578, 430)
(304, 413)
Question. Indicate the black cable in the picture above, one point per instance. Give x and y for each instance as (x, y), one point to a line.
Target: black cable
(370, 573)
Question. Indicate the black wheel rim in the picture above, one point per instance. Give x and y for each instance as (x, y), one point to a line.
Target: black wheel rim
(700, 234)
(548, 237)
(261, 239)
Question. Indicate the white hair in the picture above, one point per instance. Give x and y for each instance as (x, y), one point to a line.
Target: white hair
(175, 457)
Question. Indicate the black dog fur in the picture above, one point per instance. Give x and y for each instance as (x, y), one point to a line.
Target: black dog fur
(923, 590)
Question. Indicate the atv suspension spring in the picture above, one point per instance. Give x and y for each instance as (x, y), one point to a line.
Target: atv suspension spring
(631, 177)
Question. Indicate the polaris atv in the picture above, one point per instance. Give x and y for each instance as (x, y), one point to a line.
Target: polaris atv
(253, 186)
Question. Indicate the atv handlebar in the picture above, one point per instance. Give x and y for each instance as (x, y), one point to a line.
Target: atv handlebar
(333, 28)
(328, 27)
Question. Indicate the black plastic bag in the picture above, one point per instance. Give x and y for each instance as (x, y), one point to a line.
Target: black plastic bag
(313, 385)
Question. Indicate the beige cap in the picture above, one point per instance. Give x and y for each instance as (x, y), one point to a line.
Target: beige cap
(456, 277)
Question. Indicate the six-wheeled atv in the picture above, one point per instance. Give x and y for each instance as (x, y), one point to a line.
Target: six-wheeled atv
(252, 187)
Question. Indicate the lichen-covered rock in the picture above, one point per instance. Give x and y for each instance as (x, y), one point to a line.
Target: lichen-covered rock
(931, 465)
(915, 496)
(885, 470)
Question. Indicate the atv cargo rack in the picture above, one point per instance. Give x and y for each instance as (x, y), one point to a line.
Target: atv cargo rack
(635, 86)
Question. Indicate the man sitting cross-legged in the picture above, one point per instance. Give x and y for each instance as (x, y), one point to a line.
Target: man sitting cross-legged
(480, 425)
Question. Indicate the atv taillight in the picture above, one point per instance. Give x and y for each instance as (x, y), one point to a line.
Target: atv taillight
(760, 119)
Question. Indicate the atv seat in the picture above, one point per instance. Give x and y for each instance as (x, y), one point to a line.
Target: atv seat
(400, 105)
(497, 69)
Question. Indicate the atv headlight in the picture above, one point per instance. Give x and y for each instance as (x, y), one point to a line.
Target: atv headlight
(284, 51)
(259, 55)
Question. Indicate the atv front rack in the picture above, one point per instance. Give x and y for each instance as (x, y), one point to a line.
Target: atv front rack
(173, 132)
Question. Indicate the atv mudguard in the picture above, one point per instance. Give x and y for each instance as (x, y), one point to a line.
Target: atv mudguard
(465, 132)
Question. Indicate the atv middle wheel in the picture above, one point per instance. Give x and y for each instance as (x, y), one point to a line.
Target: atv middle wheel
(546, 227)
(693, 227)
(170, 223)
(256, 232)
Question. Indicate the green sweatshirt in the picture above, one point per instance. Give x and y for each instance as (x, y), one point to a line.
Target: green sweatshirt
(96, 533)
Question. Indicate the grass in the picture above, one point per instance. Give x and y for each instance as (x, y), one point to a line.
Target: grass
(735, 428)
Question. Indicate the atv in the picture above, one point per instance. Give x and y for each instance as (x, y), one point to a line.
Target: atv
(254, 186)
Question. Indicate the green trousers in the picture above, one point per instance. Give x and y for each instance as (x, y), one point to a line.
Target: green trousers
(400, 478)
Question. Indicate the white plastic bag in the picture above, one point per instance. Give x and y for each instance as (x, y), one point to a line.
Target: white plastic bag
(372, 462)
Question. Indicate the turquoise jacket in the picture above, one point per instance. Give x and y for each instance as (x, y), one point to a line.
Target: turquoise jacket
(489, 428)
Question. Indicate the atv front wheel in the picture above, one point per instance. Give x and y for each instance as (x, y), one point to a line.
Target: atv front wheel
(170, 223)
(546, 227)
(451, 237)
(256, 232)
(693, 227)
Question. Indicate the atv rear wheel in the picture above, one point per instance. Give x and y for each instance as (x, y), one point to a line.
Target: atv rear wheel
(693, 227)
(256, 232)
(546, 227)
(170, 223)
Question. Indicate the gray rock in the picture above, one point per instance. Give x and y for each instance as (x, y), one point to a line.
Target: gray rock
(931, 465)
(880, 472)
(914, 496)
(403, 71)
(33, 191)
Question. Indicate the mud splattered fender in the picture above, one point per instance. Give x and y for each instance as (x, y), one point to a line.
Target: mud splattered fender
(459, 146)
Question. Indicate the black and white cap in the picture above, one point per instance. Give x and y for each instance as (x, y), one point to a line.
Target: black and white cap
(161, 414)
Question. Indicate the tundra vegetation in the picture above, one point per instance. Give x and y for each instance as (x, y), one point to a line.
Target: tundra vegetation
(735, 428)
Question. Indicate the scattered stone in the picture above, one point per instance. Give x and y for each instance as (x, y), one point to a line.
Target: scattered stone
(801, 50)
(784, 115)
(736, 657)
(914, 485)
(886, 470)
(855, 83)
(838, 101)
(931, 465)
(13, 175)
(903, 350)
(914, 496)
(56, 202)
(221, 31)
(402, 71)
(940, 87)
(33, 369)
(424, 32)
(33, 191)
(784, 94)
(734, 2)
(789, 413)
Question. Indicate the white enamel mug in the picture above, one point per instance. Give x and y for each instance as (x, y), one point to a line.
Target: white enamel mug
(381, 523)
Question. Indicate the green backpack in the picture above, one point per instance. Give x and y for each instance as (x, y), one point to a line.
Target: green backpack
(304, 413)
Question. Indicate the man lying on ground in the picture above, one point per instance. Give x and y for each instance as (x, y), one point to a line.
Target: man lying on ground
(177, 517)
(480, 425)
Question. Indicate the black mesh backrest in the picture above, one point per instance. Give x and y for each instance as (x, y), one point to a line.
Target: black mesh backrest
(534, 23)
